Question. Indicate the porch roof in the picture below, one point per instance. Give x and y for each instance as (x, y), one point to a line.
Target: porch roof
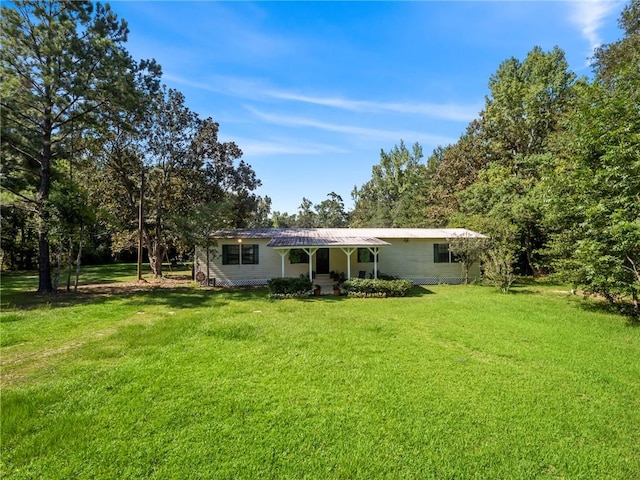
(306, 240)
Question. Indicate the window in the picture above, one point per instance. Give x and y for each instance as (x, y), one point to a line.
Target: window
(441, 253)
(298, 255)
(231, 254)
(365, 255)
(250, 254)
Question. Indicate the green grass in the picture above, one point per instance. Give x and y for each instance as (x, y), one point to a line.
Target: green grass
(451, 382)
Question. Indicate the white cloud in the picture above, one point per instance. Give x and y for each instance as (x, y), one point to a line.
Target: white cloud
(254, 148)
(445, 111)
(256, 90)
(387, 135)
(589, 16)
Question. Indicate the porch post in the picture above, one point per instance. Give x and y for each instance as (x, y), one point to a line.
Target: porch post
(348, 251)
(283, 253)
(311, 252)
(375, 251)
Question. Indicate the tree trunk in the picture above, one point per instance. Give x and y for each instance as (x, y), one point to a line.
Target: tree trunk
(156, 255)
(56, 278)
(78, 258)
(44, 260)
(69, 265)
(535, 271)
(159, 249)
(208, 263)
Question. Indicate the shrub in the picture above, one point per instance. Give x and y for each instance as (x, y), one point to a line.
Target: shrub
(290, 286)
(363, 287)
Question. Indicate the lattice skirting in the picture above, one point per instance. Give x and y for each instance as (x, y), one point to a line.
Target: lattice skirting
(257, 282)
(439, 280)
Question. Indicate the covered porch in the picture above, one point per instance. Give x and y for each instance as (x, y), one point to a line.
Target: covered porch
(326, 253)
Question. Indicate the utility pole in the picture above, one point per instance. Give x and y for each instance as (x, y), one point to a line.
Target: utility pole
(140, 225)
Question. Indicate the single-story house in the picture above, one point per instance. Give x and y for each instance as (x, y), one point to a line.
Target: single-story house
(252, 256)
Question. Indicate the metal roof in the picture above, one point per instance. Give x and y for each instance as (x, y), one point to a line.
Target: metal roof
(305, 240)
(325, 237)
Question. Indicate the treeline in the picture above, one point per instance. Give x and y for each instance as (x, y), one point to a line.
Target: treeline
(550, 169)
(89, 135)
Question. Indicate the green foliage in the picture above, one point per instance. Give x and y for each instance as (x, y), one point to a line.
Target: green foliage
(467, 250)
(63, 63)
(526, 102)
(386, 199)
(365, 287)
(498, 267)
(290, 286)
(331, 213)
(596, 198)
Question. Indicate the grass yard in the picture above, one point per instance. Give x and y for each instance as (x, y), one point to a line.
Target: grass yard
(453, 382)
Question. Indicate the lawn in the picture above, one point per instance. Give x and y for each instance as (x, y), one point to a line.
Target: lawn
(452, 382)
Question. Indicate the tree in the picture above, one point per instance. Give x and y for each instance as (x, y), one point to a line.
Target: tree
(330, 213)
(468, 249)
(283, 219)
(524, 112)
(186, 170)
(451, 170)
(199, 225)
(306, 217)
(597, 199)
(62, 62)
(526, 102)
(498, 267)
(380, 202)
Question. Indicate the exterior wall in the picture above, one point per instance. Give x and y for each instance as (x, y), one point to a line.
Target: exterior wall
(411, 259)
(239, 275)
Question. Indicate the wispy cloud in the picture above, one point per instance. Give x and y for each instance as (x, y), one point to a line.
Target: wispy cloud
(445, 111)
(352, 130)
(254, 148)
(256, 90)
(589, 16)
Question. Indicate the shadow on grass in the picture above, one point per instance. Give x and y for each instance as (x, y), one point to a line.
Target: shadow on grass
(177, 297)
(624, 309)
(420, 291)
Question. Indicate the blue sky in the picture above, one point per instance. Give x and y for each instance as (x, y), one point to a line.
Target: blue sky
(311, 92)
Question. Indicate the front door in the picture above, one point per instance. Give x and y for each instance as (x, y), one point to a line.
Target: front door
(322, 261)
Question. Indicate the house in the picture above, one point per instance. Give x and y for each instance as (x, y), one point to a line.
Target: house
(252, 256)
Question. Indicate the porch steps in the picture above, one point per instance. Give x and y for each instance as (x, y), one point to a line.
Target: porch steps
(326, 284)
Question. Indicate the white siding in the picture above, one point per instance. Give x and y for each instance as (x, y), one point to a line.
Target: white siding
(412, 258)
(268, 264)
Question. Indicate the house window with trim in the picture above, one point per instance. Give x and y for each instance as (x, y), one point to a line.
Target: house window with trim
(365, 256)
(298, 255)
(442, 254)
(239, 254)
(250, 254)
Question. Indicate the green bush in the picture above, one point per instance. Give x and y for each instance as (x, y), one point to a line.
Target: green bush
(290, 286)
(363, 287)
